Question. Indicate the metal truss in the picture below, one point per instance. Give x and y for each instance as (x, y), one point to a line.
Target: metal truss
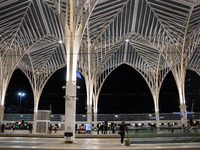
(31, 40)
(164, 35)
(152, 36)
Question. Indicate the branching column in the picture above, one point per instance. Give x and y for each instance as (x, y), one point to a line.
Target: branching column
(89, 82)
(70, 97)
(180, 76)
(180, 82)
(72, 42)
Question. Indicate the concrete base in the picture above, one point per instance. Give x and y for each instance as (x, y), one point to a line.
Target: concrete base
(42, 127)
(43, 119)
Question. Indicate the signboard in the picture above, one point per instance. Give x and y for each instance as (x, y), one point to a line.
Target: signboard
(88, 126)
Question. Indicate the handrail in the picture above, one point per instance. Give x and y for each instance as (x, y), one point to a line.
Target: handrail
(185, 131)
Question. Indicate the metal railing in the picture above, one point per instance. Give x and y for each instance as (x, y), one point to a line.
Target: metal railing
(106, 117)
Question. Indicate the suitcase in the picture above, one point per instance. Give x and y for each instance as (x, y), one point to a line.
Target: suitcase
(127, 142)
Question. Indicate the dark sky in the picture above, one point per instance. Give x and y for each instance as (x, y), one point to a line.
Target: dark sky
(124, 91)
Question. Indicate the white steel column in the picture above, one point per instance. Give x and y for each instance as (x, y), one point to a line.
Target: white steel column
(183, 106)
(1, 113)
(70, 97)
(70, 108)
(89, 99)
(155, 97)
(2, 100)
(181, 80)
(36, 100)
(72, 42)
(89, 114)
(89, 102)
(95, 98)
(157, 118)
(95, 120)
(95, 110)
(34, 121)
(89, 83)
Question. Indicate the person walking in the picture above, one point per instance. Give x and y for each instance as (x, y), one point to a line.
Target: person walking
(123, 127)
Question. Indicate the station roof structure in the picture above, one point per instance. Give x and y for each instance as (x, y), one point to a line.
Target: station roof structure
(152, 36)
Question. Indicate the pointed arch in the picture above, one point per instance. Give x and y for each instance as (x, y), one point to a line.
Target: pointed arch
(115, 94)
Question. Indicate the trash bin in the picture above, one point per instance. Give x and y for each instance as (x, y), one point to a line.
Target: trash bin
(68, 137)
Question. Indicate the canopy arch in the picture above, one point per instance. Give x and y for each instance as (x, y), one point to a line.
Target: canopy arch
(124, 94)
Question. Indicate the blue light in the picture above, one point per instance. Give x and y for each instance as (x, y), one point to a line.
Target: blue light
(78, 74)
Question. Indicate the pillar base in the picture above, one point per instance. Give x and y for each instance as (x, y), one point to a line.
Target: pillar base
(43, 121)
(70, 113)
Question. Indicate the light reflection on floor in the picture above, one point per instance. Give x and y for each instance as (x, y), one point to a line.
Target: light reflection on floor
(87, 143)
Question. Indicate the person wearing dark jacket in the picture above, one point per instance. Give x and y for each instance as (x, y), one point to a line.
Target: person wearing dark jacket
(123, 127)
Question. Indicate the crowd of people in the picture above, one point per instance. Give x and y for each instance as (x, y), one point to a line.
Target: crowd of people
(105, 129)
(13, 127)
(51, 128)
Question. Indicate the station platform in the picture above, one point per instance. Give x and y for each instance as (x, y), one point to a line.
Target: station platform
(60, 134)
(25, 143)
(21, 139)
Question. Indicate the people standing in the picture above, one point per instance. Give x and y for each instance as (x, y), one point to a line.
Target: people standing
(55, 128)
(113, 129)
(13, 127)
(110, 128)
(123, 127)
(105, 128)
(97, 128)
(30, 128)
(50, 129)
(101, 127)
(2, 128)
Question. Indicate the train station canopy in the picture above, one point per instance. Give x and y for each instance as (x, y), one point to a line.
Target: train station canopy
(152, 36)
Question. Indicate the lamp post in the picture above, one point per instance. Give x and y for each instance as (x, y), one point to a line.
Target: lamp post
(20, 94)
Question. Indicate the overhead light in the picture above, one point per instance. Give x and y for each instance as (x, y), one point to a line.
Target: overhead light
(60, 41)
(21, 94)
(127, 40)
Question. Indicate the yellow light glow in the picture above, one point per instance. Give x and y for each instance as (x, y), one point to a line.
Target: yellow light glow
(2, 99)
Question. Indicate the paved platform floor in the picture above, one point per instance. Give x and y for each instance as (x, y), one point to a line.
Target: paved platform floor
(29, 143)
(21, 139)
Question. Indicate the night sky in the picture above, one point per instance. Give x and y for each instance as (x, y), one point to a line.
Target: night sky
(124, 91)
